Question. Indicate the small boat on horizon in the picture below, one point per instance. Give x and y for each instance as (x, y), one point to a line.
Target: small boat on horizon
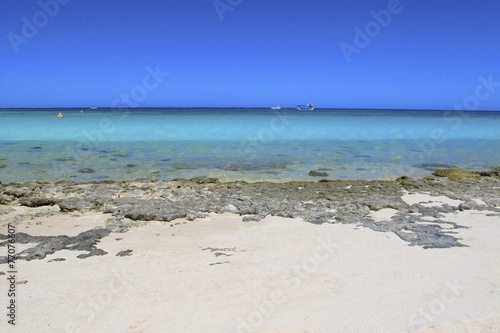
(309, 107)
(276, 107)
(93, 107)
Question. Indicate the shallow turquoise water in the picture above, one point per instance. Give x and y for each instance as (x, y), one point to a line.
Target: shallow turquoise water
(241, 144)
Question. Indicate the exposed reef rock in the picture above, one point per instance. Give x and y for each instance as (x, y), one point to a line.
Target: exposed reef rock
(36, 201)
(84, 241)
(324, 201)
(455, 173)
(315, 173)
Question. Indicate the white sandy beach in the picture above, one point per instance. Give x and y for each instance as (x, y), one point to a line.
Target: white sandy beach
(219, 274)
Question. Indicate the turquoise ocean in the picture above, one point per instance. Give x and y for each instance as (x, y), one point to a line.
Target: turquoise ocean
(241, 143)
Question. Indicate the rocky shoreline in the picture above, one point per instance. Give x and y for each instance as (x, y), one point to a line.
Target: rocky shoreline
(133, 203)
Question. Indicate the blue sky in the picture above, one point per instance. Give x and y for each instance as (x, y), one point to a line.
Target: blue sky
(426, 54)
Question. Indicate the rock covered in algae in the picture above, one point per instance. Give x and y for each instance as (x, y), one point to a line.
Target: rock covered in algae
(456, 173)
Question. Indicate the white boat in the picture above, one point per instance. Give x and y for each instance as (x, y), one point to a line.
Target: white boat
(309, 107)
(276, 107)
(93, 107)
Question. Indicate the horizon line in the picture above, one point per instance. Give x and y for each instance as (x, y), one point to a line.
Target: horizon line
(245, 107)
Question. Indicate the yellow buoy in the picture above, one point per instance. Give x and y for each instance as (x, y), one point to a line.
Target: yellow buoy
(59, 115)
(81, 111)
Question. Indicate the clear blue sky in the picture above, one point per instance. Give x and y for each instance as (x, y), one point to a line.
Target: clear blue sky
(264, 52)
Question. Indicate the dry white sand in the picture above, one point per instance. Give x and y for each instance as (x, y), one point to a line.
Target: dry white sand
(279, 275)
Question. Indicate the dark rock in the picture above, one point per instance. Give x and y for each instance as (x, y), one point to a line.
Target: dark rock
(17, 191)
(455, 173)
(39, 254)
(47, 245)
(119, 206)
(434, 166)
(436, 211)
(489, 173)
(36, 201)
(375, 205)
(219, 263)
(315, 173)
(65, 159)
(56, 260)
(86, 170)
(87, 239)
(131, 165)
(351, 212)
(125, 253)
(252, 218)
(468, 205)
(76, 204)
(429, 236)
(23, 238)
(205, 180)
(409, 183)
(434, 180)
(219, 250)
(324, 201)
(94, 252)
(146, 210)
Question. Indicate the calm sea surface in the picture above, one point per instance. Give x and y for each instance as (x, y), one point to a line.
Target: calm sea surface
(241, 144)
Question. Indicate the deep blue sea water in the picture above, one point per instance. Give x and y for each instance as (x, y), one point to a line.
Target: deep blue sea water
(241, 144)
